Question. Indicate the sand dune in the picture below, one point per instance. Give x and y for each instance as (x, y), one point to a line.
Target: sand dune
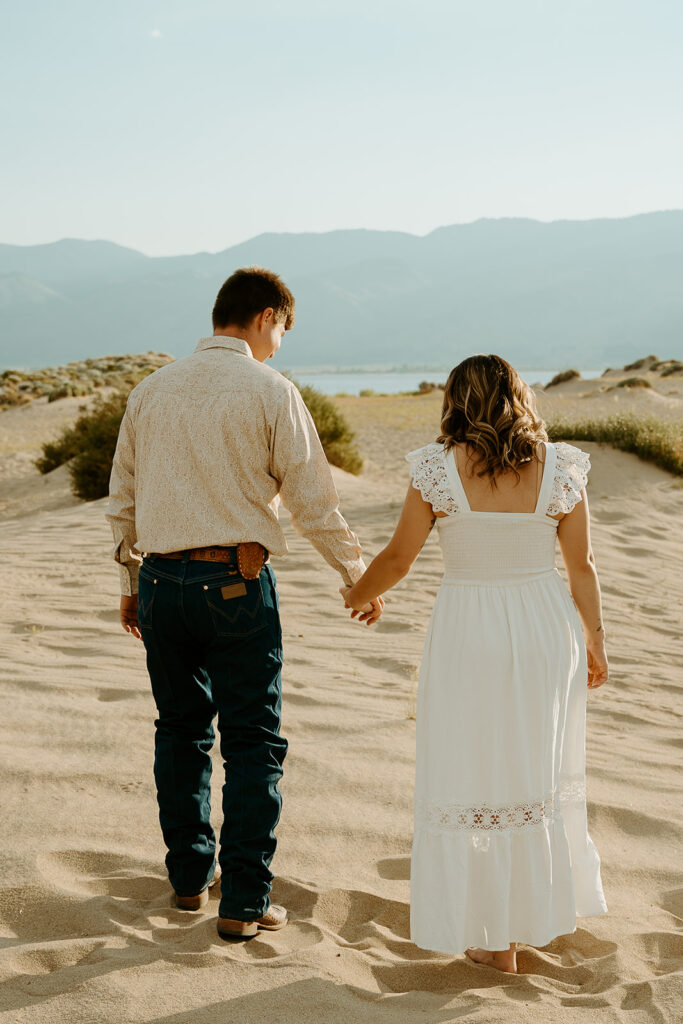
(87, 929)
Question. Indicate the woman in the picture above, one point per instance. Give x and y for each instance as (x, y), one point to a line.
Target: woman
(501, 853)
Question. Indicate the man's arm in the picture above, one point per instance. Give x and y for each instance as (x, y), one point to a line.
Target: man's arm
(121, 510)
(307, 489)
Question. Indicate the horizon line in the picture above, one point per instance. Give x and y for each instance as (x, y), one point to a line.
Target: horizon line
(336, 231)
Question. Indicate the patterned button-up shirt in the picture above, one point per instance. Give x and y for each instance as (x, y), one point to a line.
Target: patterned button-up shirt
(207, 447)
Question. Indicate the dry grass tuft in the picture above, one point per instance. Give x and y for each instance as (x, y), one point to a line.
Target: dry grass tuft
(634, 382)
(563, 377)
(653, 440)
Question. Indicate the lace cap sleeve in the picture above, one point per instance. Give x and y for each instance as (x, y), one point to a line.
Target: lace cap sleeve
(429, 477)
(571, 475)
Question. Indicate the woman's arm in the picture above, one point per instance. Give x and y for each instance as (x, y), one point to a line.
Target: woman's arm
(573, 533)
(395, 560)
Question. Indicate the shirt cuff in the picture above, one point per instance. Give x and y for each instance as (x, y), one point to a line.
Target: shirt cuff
(129, 579)
(352, 573)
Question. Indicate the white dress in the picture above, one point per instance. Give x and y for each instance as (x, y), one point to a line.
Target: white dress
(501, 851)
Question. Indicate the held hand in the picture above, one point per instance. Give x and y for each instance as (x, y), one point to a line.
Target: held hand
(598, 669)
(367, 613)
(129, 615)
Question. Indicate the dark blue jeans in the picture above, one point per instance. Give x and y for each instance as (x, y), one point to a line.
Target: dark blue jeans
(214, 646)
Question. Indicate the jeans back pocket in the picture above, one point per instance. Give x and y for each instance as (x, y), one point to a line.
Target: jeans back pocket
(236, 606)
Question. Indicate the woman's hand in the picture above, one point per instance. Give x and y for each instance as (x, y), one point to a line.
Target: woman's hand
(367, 613)
(598, 669)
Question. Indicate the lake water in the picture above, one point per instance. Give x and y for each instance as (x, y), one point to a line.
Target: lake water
(391, 383)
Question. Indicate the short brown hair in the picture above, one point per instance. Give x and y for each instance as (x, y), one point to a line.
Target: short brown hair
(488, 407)
(247, 293)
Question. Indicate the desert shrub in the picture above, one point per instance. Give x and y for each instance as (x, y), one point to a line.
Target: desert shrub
(675, 370)
(634, 382)
(336, 435)
(127, 380)
(89, 445)
(69, 389)
(366, 393)
(653, 440)
(563, 377)
(56, 453)
(640, 363)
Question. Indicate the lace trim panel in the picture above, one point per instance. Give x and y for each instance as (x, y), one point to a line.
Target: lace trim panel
(454, 817)
(429, 477)
(571, 475)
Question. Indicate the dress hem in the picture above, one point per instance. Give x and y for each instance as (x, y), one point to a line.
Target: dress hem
(497, 948)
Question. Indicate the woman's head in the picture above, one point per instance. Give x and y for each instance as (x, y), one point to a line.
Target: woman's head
(488, 407)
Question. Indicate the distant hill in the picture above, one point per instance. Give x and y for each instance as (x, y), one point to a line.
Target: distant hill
(544, 295)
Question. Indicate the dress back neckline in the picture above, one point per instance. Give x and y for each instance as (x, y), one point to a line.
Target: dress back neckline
(460, 496)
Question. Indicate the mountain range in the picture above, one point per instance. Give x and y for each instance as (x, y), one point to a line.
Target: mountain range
(594, 292)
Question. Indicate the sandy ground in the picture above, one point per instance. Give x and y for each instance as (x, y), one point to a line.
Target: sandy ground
(88, 932)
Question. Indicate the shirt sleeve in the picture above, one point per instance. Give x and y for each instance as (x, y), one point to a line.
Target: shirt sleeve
(307, 489)
(121, 511)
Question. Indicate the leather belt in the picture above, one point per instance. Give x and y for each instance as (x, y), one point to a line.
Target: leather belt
(201, 554)
(249, 557)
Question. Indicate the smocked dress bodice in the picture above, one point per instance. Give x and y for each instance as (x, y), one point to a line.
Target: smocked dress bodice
(498, 546)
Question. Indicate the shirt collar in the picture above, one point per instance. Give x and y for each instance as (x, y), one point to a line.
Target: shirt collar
(222, 341)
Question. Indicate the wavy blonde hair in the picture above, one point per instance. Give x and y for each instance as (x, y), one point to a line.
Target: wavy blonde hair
(488, 407)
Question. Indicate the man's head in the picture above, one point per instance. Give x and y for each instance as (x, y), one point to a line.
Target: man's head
(256, 305)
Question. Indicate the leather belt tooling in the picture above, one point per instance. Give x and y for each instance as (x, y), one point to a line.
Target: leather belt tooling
(251, 557)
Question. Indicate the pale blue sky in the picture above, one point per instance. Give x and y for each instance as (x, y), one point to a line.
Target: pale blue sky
(175, 127)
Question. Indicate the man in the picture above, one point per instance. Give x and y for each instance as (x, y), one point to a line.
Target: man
(207, 446)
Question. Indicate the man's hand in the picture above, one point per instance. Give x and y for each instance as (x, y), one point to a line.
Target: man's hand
(367, 613)
(129, 615)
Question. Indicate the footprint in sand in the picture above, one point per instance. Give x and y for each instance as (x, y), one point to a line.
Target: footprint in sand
(28, 912)
(663, 951)
(397, 626)
(640, 996)
(297, 936)
(351, 918)
(358, 918)
(55, 967)
(436, 972)
(85, 872)
(111, 695)
(392, 666)
(671, 901)
(397, 868)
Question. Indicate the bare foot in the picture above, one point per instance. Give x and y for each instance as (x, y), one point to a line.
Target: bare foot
(503, 960)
